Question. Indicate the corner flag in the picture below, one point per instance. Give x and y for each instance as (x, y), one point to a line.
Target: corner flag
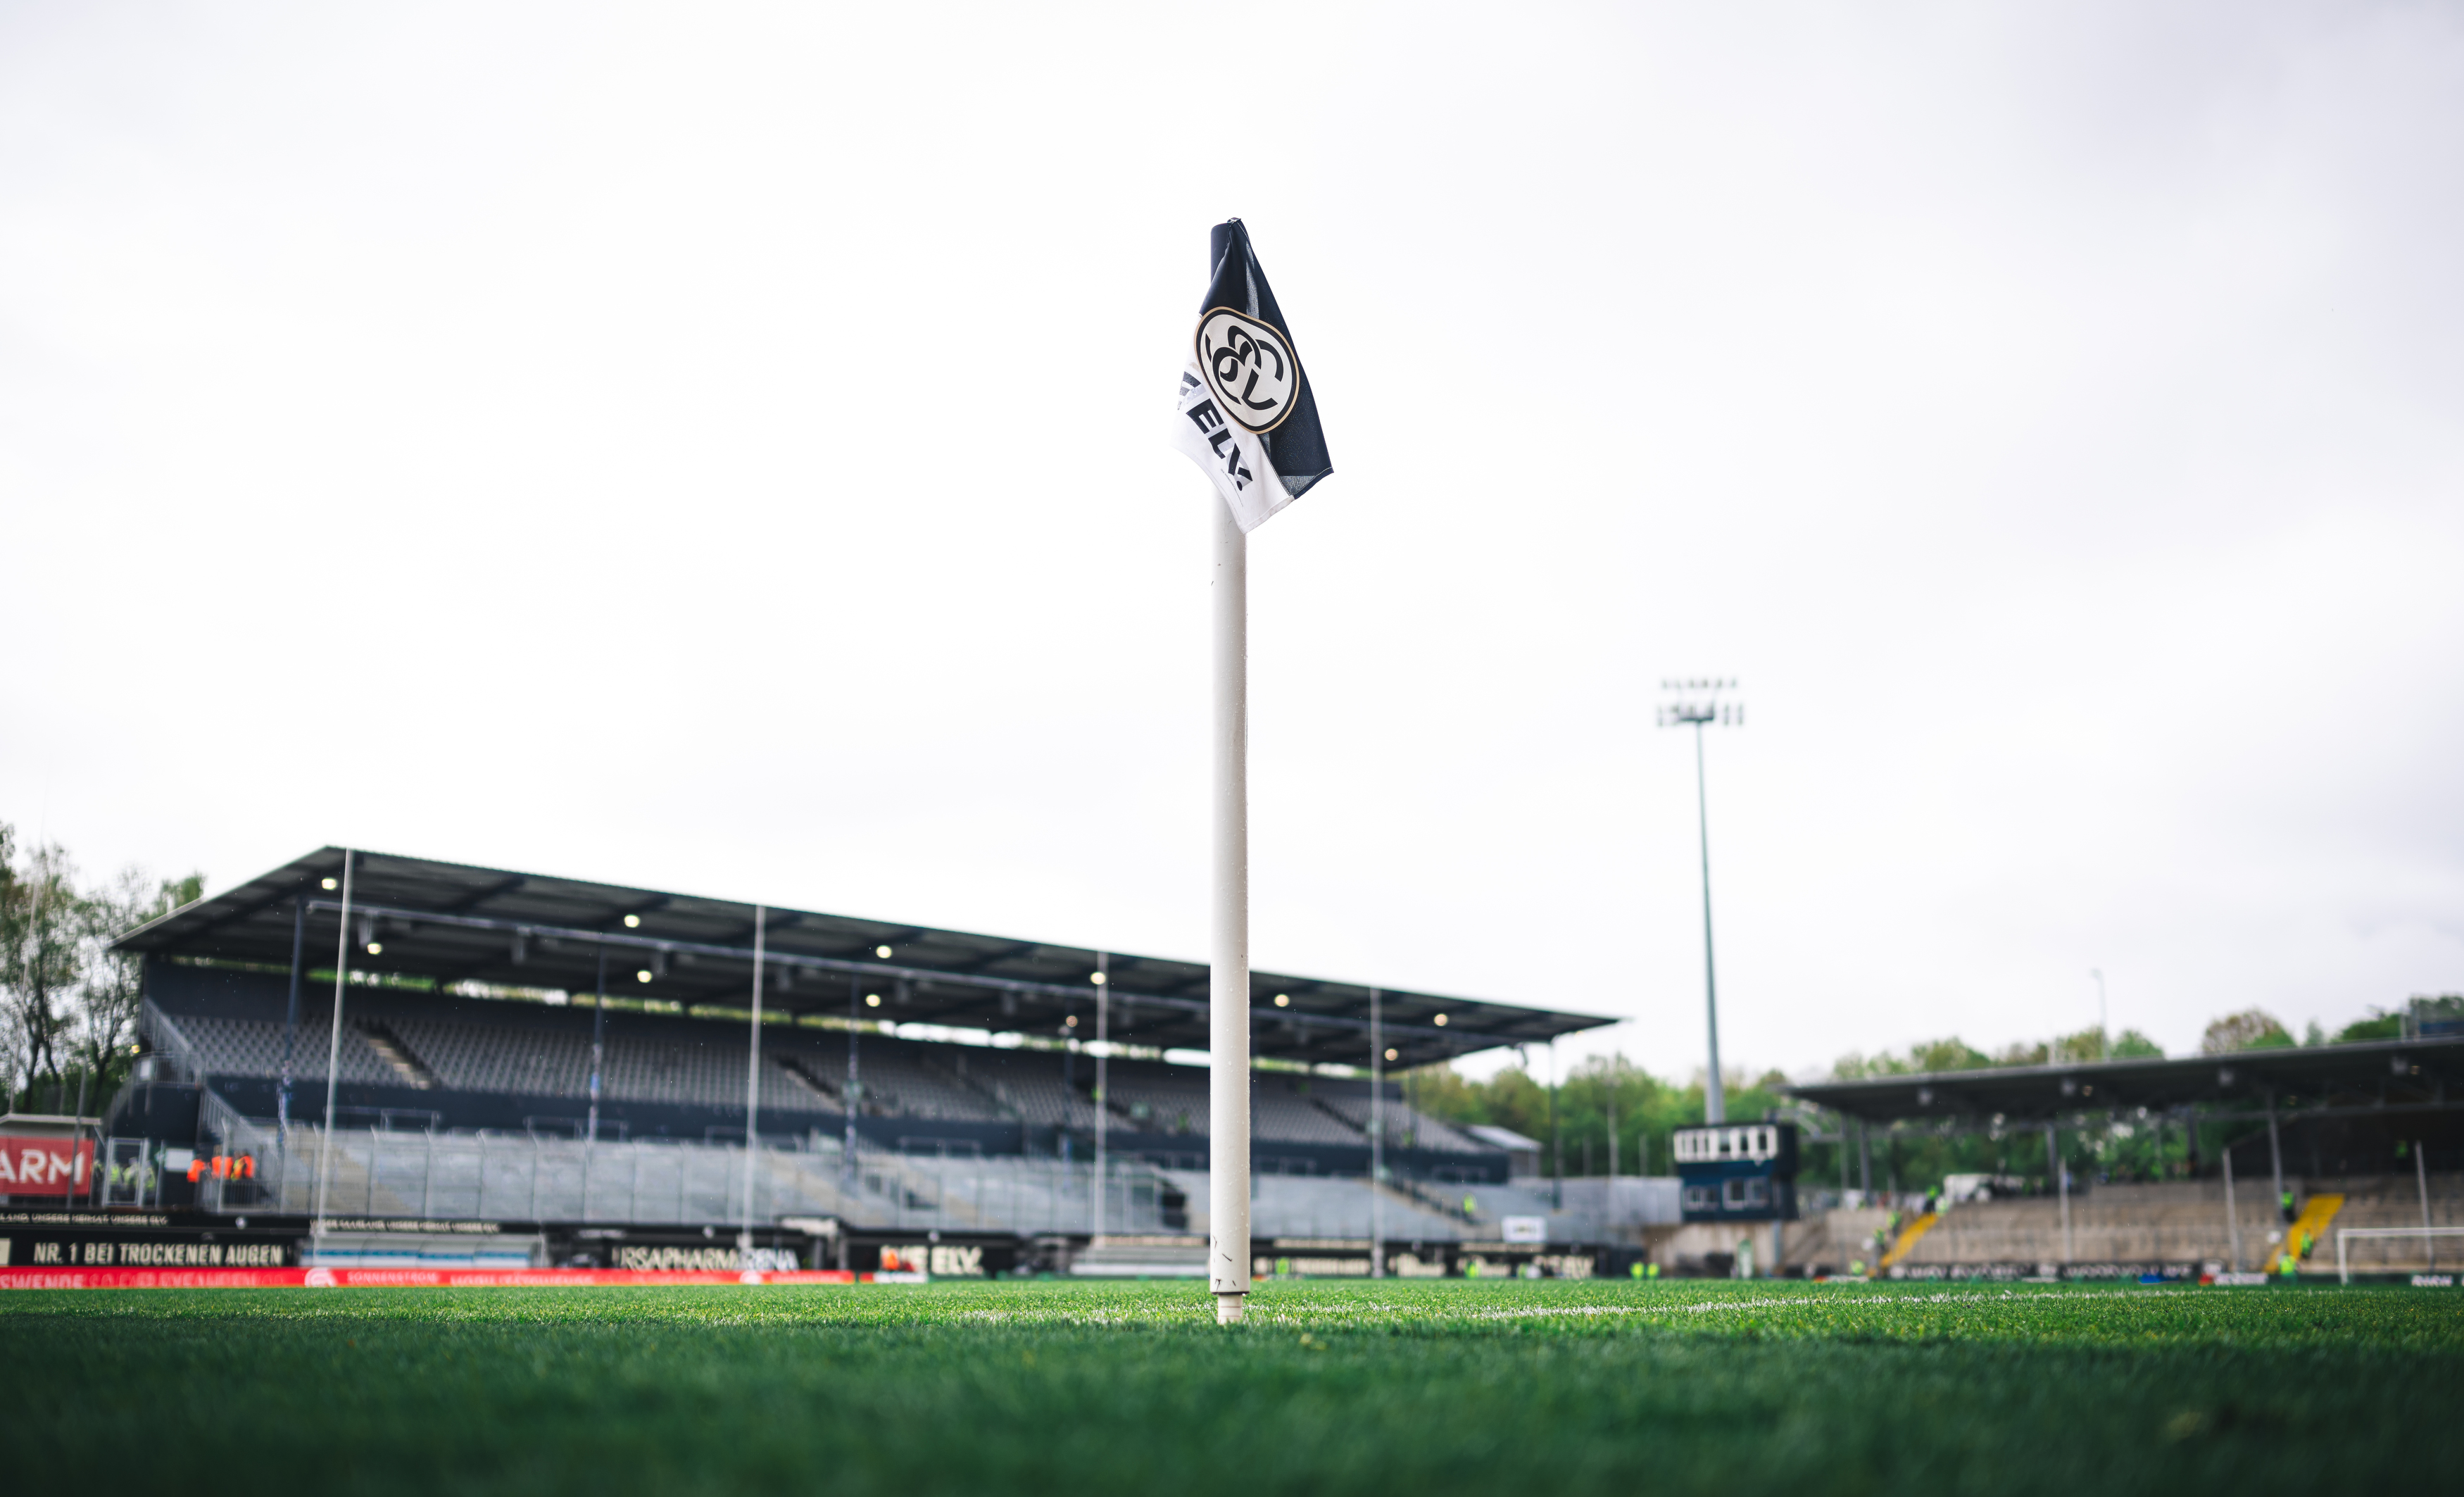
(1247, 415)
(1248, 420)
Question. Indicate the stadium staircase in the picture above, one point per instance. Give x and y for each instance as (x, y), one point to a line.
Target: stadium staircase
(413, 1071)
(802, 1072)
(2307, 1233)
(1909, 1236)
(1810, 1246)
(995, 1105)
(1321, 1206)
(1408, 1216)
(1828, 1243)
(1445, 1201)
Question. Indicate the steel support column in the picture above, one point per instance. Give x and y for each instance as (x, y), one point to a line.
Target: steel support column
(854, 1094)
(2276, 1160)
(291, 1027)
(2232, 1218)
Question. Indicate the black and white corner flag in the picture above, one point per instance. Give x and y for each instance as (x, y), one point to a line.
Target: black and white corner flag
(1246, 413)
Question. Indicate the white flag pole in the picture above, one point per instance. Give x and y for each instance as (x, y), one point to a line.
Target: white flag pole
(751, 1092)
(1376, 1143)
(1228, 1248)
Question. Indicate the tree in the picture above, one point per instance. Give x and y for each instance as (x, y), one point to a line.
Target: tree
(113, 983)
(67, 1000)
(2380, 1025)
(1949, 1053)
(41, 958)
(1647, 1108)
(2250, 1029)
(2131, 1045)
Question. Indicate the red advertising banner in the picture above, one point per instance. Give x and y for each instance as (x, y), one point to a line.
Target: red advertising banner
(44, 1166)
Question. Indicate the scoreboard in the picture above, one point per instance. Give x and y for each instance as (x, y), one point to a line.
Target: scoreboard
(1738, 1171)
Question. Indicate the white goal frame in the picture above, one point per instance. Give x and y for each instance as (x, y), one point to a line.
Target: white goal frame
(2344, 1274)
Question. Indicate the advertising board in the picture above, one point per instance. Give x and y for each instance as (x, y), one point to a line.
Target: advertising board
(40, 1166)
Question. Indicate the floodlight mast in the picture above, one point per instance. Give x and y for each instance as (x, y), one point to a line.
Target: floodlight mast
(1705, 708)
(2103, 1045)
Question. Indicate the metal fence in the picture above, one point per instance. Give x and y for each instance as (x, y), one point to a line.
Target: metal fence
(381, 1173)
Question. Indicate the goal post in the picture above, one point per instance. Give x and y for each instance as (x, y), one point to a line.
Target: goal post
(2344, 1235)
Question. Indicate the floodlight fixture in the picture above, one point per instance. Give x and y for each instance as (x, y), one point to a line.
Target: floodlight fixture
(632, 922)
(882, 952)
(1097, 978)
(1698, 704)
(376, 948)
(643, 975)
(1440, 1021)
(1393, 1054)
(872, 1001)
(1283, 1001)
(330, 885)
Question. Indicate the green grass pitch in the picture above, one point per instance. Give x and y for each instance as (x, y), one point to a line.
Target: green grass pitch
(1554, 1387)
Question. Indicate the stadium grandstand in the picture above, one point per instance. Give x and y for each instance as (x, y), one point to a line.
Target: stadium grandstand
(2282, 1150)
(524, 1049)
(552, 1071)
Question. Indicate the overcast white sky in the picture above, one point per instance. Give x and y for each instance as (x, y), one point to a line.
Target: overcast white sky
(724, 449)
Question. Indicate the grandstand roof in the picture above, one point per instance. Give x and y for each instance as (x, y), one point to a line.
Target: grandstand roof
(453, 923)
(2403, 1075)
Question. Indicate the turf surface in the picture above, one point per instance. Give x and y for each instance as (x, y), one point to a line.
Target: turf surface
(1399, 1387)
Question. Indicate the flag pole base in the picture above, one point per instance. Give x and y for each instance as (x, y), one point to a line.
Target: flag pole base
(1227, 1308)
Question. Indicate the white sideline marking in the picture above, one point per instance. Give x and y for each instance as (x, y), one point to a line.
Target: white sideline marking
(1294, 1315)
(1705, 1307)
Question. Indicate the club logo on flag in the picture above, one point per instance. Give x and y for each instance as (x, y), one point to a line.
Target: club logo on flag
(1245, 414)
(1249, 368)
